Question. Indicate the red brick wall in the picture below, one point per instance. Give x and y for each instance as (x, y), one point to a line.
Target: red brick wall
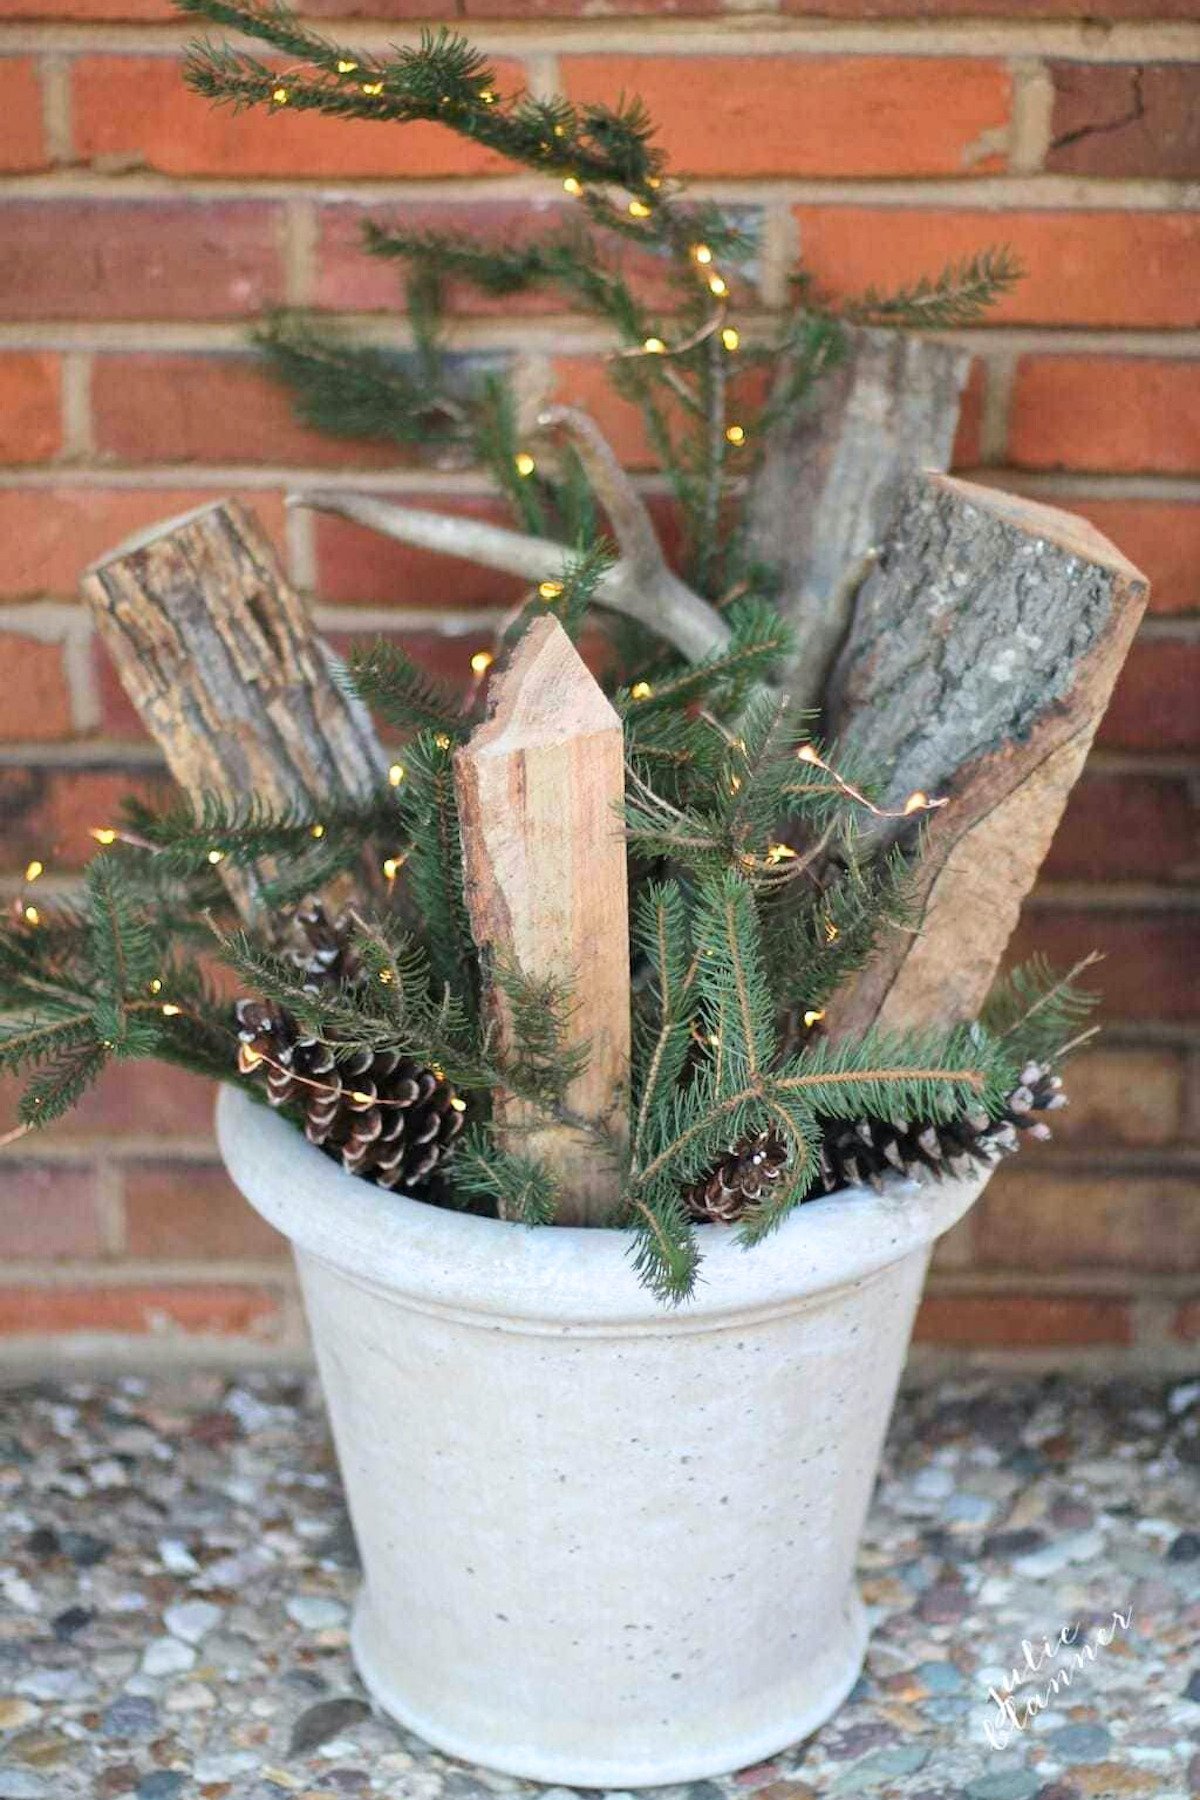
(140, 233)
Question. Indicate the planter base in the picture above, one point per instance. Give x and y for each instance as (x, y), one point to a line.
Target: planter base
(800, 1708)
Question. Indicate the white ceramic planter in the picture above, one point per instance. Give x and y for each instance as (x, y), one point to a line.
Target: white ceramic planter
(605, 1545)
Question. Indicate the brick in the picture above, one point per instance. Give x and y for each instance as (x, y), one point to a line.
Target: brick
(1152, 959)
(190, 1212)
(928, 11)
(144, 259)
(812, 115)
(586, 382)
(1128, 827)
(1023, 1321)
(1125, 1096)
(1161, 536)
(51, 534)
(133, 112)
(30, 428)
(1186, 1323)
(206, 1309)
(22, 144)
(1102, 268)
(1154, 702)
(1030, 1219)
(1108, 413)
(210, 409)
(37, 702)
(47, 1211)
(968, 446)
(357, 566)
(47, 812)
(88, 11)
(350, 279)
(1125, 119)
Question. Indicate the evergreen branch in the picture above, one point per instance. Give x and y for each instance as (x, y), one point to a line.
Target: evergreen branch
(660, 931)
(404, 696)
(1033, 1013)
(440, 78)
(666, 1256)
(358, 390)
(519, 1187)
(185, 836)
(34, 1038)
(60, 1084)
(960, 295)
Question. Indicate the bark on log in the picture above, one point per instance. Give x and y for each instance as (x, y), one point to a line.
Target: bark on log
(223, 665)
(540, 788)
(830, 476)
(984, 649)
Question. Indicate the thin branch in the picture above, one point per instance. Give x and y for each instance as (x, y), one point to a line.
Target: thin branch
(661, 602)
(636, 537)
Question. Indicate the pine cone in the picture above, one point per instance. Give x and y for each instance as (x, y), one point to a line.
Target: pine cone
(744, 1175)
(378, 1113)
(860, 1152)
(864, 1150)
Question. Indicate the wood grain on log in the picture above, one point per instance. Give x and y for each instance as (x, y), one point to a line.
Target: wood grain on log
(540, 787)
(831, 472)
(984, 649)
(225, 670)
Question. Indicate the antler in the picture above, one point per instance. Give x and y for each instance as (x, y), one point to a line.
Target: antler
(639, 584)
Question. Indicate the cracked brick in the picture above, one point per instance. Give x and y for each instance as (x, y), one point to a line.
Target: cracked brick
(1125, 119)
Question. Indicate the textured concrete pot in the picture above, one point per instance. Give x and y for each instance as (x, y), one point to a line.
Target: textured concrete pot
(605, 1545)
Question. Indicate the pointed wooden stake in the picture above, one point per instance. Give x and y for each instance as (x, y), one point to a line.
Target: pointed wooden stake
(540, 787)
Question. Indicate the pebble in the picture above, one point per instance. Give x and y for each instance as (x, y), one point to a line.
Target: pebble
(15, 1712)
(1186, 1548)
(192, 1620)
(163, 1784)
(324, 1721)
(55, 1685)
(189, 1697)
(1081, 1743)
(315, 1612)
(1072, 1547)
(1003, 1784)
(176, 1558)
(226, 1766)
(132, 1716)
(22, 1784)
(167, 1656)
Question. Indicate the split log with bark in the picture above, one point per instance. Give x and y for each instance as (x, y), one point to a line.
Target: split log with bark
(222, 663)
(984, 648)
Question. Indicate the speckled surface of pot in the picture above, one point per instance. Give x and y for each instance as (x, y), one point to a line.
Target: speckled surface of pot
(605, 1544)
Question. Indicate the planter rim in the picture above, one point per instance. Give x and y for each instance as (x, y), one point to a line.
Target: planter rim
(558, 1277)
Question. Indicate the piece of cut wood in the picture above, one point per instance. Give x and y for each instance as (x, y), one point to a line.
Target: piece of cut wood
(984, 649)
(225, 670)
(540, 789)
(831, 471)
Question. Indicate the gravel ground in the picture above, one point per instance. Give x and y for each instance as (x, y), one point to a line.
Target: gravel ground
(176, 1567)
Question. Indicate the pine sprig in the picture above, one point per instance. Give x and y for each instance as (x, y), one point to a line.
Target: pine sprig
(386, 678)
(961, 295)
(515, 1186)
(1037, 1014)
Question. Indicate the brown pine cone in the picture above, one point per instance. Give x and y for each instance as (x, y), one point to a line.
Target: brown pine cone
(743, 1176)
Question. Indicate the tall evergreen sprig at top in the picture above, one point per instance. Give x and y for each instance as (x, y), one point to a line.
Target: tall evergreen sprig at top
(756, 887)
(680, 357)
